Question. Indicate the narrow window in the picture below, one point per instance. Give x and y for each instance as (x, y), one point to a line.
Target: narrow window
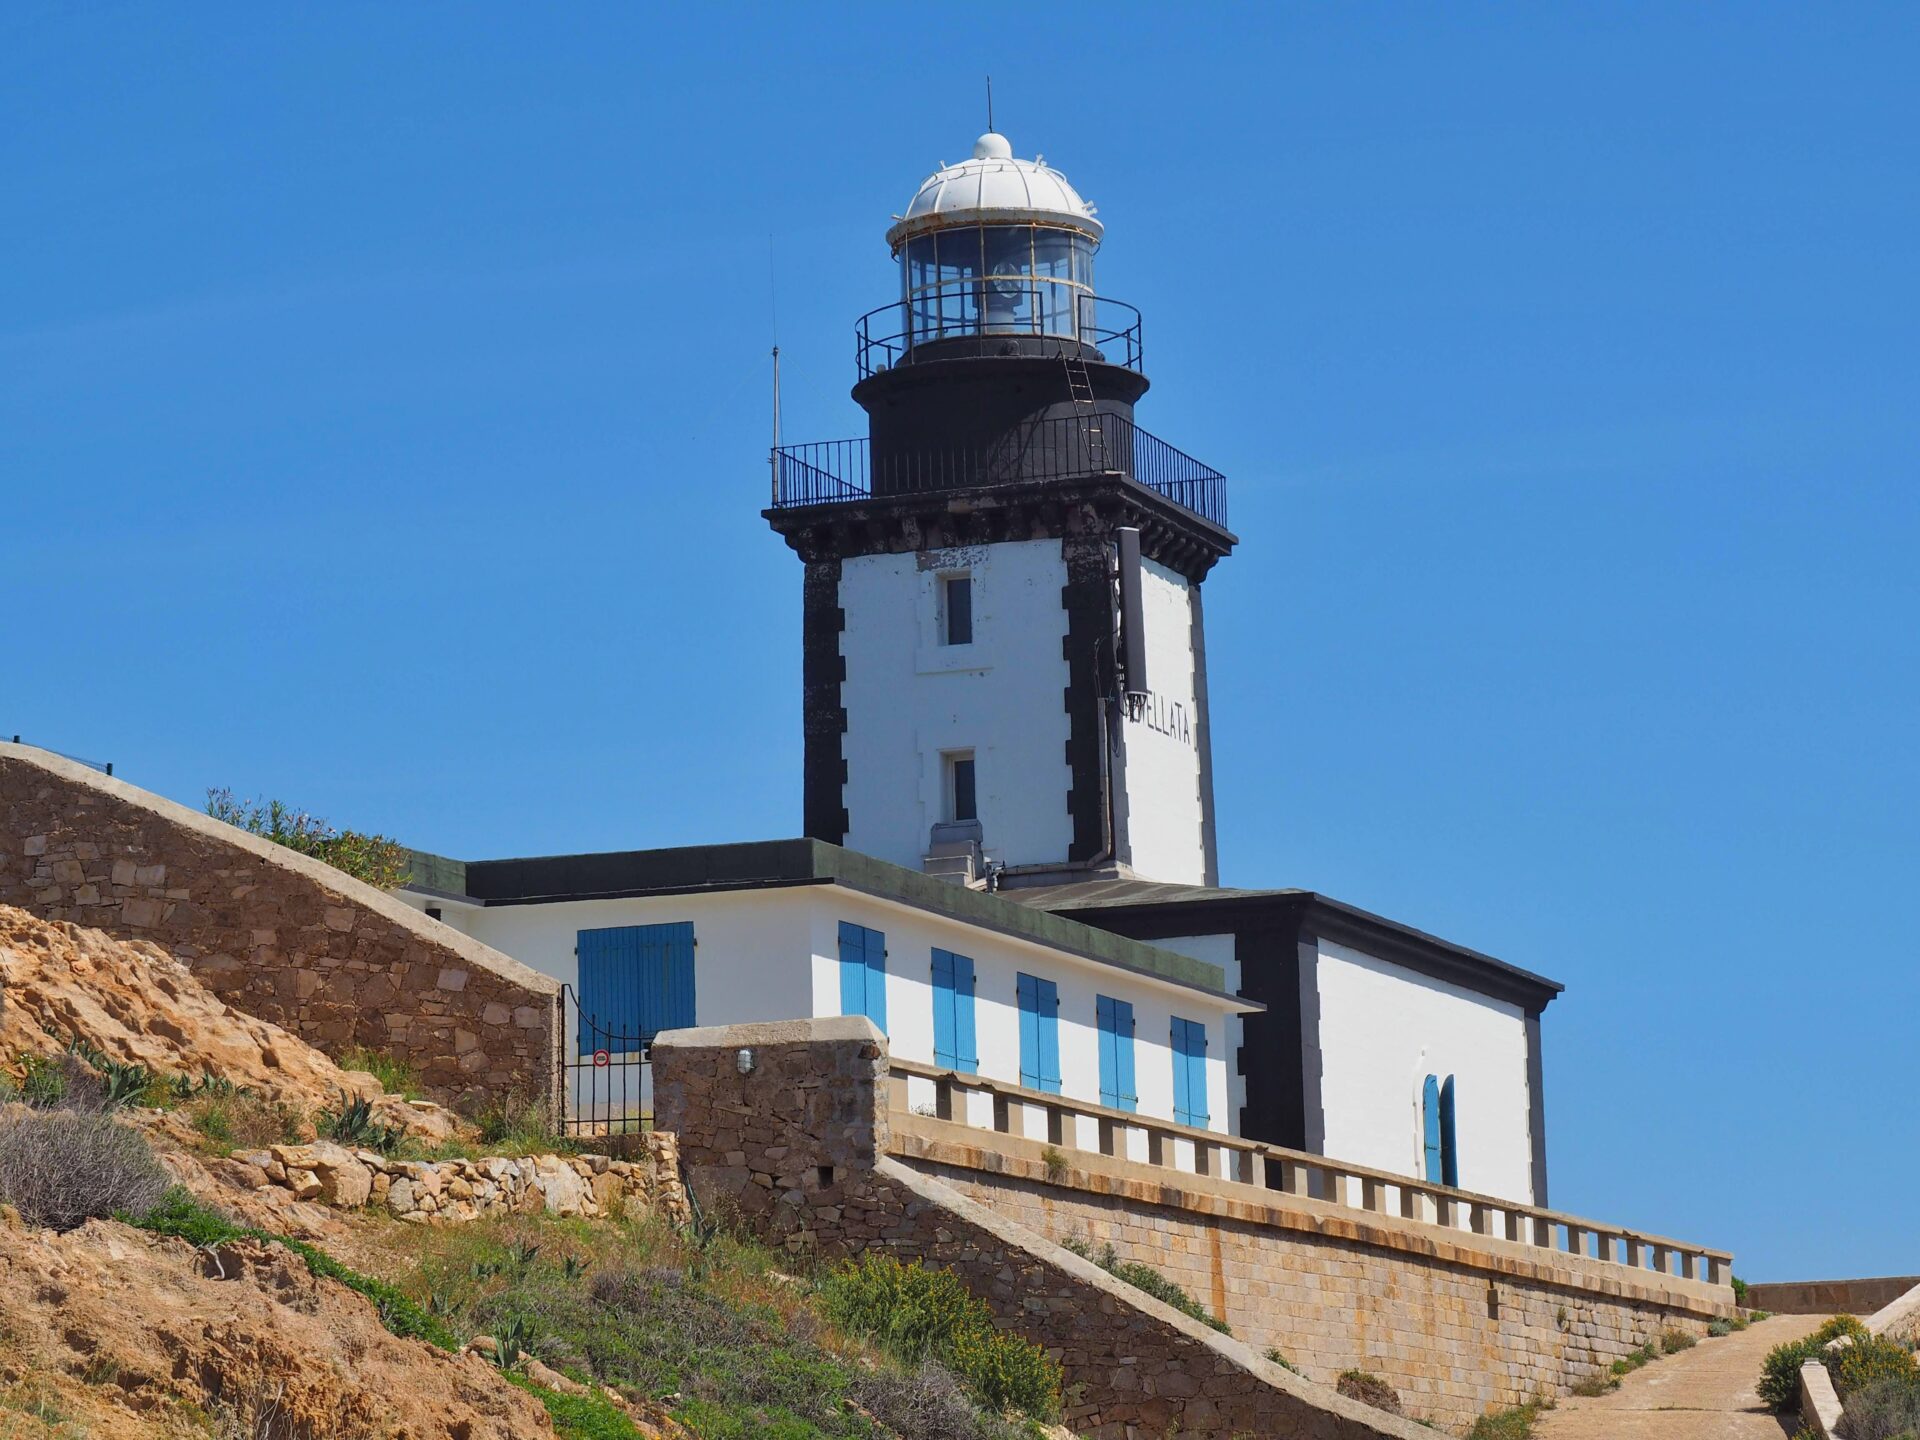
(956, 610)
(1039, 1033)
(1449, 1146)
(863, 973)
(1189, 1072)
(953, 1030)
(962, 799)
(1115, 1019)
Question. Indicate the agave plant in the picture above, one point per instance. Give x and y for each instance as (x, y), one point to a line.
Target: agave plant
(353, 1124)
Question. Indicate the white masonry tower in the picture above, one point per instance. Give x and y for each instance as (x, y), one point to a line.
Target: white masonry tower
(1005, 661)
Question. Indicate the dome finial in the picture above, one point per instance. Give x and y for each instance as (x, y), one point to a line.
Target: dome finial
(992, 146)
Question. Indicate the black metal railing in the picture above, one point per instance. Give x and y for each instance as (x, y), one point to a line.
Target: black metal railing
(1069, 447)
(605, 1074)
(937, 322)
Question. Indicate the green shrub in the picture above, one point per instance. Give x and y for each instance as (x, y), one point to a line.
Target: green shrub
(1717, 1328)
(372, 858)
(917, 1314)
(395, 1075)
(1740, 1288)
(1601, 1382)
(1674, 1340)
(1871, 1361)
(1273, 1354)
(1145, 1277)
(353, 1124)
(581, 1417)
(1884, 1410)
(178, 1213)
(1779, 1384)
(514, 1121)
(1514, 1424)
(62, 1169)
(243, 1121)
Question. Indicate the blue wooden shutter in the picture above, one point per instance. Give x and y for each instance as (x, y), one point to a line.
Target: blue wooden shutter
(966, 1049)
(863, 973)
(1039, 1033)
(1115, 1018)
(635, 981)
(1430, 1128)
(1189, 1072)
(1449, 1147)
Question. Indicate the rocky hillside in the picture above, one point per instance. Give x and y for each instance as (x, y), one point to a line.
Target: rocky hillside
(229, 1298)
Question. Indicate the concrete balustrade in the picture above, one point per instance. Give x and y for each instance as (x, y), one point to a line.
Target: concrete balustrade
(1265, 1167)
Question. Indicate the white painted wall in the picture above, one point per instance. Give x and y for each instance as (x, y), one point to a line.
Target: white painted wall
(1162, 740)
(1383, 1030)
(774, 955)
(909, 698)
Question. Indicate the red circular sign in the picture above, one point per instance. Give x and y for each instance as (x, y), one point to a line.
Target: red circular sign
(601, 1059)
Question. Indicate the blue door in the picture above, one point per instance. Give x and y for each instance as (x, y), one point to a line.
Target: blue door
(635, 981)
(863, 973)
(1430, 1128)
(953, 1042)
(1039, 1033)
(1116, 1053)
(1189, 1072)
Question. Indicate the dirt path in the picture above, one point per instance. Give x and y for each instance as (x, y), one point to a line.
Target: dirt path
(1705, 1393)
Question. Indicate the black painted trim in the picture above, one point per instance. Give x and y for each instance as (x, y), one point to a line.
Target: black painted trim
(1203, 737)
(1087, 599)
(823, 717)
(1313, 1067)
(1537, 1107)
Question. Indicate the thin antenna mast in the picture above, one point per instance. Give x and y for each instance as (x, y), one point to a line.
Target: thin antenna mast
(989, 102)
(773, 305)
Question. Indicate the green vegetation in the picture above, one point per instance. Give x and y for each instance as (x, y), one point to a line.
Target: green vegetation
(1740, 1288)
(1780, 1372)
(581, 1417)
(1273, 1354)
(1887, 1409)
(1145, 1277)
(916, 1314)
(353, 1124)
(1673, 1341)
(395, 1075)
(1718, 1328)
(1645, 1355)
(179, 1214)
(1369, 1389)
(1514, 1424)
(372, 858)
(1871, 1360)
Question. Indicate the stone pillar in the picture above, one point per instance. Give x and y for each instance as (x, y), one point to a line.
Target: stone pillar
(780, 1124)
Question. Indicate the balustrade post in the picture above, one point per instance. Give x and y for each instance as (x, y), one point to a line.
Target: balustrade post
(1293, 1177)
(1108, 1145)
(1056, 1125)
(1636, 1252)
(1514, 1225)
(1542, 1229)
(1156, 1145)
(897, 1090)
(943, 1097)
(1663, 1259)
(1002, 1114)
(1373, 1195)
(1719, 1269)
(1689, 1265)
(1479, 1218)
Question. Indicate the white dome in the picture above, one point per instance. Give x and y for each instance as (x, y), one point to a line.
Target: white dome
(994, 188)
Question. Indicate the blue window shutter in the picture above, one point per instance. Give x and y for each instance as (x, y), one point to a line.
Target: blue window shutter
(1430, 1128)
(945, 1011)
(966, 1053)
(877, 979)
(853, 969)
(635, 981)
(1115, 1019)
(1449, 1147)
(1189, 1072)
(1049, 1016)
(1028, 991)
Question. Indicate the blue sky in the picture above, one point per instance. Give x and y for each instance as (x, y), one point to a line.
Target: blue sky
(383, 412)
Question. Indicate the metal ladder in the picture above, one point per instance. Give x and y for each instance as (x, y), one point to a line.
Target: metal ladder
(1080, 391)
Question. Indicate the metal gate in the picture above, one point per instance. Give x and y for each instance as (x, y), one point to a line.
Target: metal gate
(606, 1074)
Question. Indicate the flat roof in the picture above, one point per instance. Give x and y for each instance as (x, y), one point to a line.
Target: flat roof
(1455, 962)
(774, 864)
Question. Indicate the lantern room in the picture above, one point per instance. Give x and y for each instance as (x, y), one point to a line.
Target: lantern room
(996, 246)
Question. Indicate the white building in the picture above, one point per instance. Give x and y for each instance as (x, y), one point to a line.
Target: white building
(1008, 772)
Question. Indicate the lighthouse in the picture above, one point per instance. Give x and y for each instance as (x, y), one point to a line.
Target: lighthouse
(1004, 651)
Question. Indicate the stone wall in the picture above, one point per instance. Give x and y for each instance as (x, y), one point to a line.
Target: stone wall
(451, 1192)
(1828, 1297)
(273, 933)
(1457, 1323)
(791, 1139)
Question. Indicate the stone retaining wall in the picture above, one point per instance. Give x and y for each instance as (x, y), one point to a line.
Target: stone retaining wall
(1457, 1323)
(791, 1139)
(274, 933)
(449, 1192)
(1828, 1297)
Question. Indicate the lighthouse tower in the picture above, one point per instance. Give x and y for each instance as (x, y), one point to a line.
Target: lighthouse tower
(1005, 659)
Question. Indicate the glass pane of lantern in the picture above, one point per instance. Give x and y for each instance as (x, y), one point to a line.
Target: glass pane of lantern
(1009, 263)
